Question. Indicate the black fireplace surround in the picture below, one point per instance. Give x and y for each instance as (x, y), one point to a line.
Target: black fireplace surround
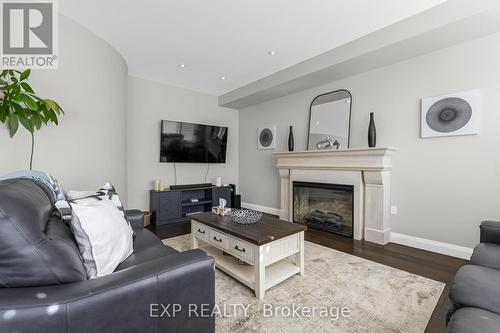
(328, 207)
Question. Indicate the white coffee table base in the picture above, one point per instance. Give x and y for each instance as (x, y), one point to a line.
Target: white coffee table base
(267, 265)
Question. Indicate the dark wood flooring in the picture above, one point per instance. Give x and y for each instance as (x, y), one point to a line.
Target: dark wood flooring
(431, 265)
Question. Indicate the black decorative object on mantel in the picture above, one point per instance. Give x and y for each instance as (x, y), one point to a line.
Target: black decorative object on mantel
(372, 132)
(291, 142)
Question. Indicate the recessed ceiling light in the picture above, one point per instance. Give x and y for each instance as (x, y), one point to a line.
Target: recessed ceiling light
(222, 77)
(182, 65)
(272, 53)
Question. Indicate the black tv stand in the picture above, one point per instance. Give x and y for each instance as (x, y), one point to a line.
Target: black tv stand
(190, 186)
(177, 204)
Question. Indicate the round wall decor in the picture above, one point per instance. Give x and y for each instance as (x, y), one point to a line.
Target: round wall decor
(453, 114)
(449, 114)
(266, 137)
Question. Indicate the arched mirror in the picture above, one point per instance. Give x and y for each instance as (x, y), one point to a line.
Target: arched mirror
(329, 121)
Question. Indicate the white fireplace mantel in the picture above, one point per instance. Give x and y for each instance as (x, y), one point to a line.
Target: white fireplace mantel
(368, 169)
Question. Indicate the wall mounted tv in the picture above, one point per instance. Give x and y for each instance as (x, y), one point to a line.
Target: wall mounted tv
(192, 143)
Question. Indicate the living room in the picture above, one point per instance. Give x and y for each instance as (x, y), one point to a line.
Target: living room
(262, 166)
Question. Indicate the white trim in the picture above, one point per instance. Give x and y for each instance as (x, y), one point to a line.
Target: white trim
(378, 236)
(433, 246)
(411, 241)
(269, 210)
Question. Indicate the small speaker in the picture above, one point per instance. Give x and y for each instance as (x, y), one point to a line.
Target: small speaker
(233, 193)
(237, 201)
(266, 137)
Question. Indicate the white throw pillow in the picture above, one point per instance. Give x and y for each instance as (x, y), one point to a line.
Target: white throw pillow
(104, 239)
(106, 192)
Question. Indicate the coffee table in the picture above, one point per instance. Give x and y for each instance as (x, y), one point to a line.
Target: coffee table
(272, 250)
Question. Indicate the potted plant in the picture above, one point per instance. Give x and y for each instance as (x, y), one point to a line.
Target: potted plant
(20, 105)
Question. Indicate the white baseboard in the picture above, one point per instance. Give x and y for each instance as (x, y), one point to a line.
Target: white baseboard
(269, 210)
(433, 246)
(378, 236)
(412, 241)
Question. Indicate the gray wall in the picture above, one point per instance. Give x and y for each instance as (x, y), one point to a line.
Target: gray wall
(87, 148)
(443, 187)
(150, 102)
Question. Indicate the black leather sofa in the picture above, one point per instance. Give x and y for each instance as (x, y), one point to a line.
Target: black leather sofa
(475, 291)
(44, 287)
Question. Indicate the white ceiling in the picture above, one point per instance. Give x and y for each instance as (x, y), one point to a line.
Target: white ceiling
(230, 38)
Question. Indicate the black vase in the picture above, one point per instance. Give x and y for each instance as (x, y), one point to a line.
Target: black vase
(372, 132)
(290, 140)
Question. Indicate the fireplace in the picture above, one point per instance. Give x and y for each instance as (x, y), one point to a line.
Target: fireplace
(328, 207)
(368, 170)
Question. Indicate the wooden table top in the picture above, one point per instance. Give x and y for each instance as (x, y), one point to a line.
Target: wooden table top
(266, 230)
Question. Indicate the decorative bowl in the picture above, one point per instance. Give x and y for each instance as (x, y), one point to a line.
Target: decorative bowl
(245, 216)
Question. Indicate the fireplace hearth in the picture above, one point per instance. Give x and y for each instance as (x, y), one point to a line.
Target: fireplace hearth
(328, 207)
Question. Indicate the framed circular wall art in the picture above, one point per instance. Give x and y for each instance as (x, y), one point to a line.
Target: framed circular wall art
(449, 115)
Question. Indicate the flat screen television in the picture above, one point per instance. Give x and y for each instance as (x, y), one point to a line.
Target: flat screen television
(192, 143)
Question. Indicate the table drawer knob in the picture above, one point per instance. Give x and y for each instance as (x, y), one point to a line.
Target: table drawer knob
(238, 249)
(218, 240)
(201, 231)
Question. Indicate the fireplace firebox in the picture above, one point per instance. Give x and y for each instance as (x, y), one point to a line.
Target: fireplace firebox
(328, 207)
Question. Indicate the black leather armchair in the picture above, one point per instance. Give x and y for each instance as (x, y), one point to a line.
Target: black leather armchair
(475, 292)
(138, 297)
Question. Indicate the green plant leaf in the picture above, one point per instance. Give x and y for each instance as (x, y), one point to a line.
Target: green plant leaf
(53, 117)
(14, 79)
(27, 87)
(13, 125)
(50, 103)
(30, 102)
(16, 98)
(3, 83)
(3, 112)
(26, 124)
(15, 89)
(4, 73)
(59, 109)
(19, 110)
(45, 113)
(25, 74)
(37, 121)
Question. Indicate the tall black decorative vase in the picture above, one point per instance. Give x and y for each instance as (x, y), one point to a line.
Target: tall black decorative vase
(290, 140)
(372, 132)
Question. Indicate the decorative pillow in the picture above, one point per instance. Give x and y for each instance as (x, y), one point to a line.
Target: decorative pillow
(106, 192)
(110, 193)
(101, 229)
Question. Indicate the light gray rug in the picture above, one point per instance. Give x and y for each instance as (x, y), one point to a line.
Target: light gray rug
(379, 298)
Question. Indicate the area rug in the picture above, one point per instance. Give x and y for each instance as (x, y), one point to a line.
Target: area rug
(339, 293)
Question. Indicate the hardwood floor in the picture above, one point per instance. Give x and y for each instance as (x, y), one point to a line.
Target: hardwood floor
(431, 265)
